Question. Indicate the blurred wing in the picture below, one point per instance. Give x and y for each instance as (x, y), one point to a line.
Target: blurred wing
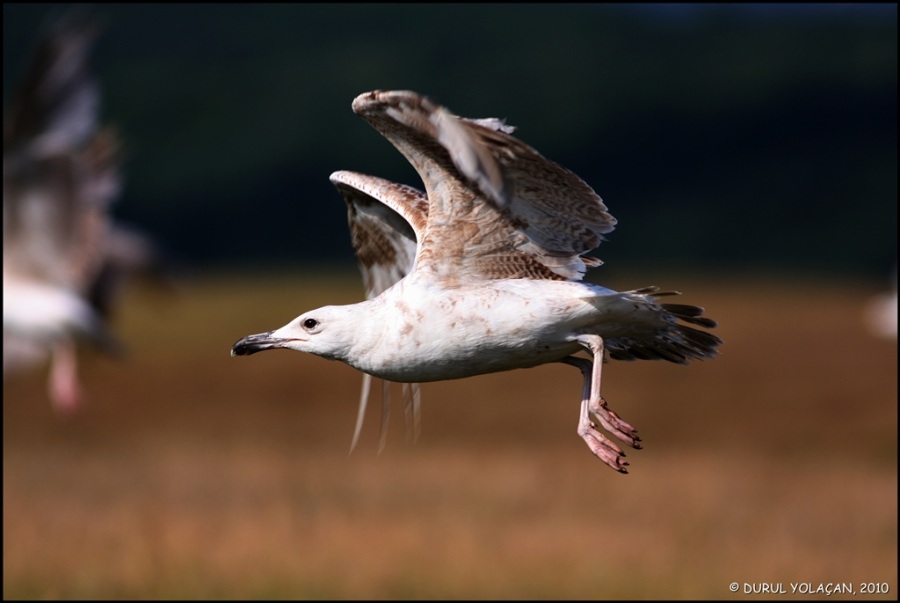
(386, 222)
(55, 109)
(497, 208)
(59, 173)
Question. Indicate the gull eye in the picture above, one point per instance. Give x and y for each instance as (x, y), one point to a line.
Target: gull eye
(310, 323)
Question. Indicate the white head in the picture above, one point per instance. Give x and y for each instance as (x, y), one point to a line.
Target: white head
(327, 332)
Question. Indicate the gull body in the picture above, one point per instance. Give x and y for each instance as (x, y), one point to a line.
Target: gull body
(419, 331)
(499, 238)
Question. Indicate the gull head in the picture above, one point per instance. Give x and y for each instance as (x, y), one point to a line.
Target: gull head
(326, 332)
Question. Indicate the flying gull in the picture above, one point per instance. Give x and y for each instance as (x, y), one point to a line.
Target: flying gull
(496, 284)
(63, 257)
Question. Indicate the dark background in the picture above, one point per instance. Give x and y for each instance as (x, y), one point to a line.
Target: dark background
(749, 153)
(723, 137)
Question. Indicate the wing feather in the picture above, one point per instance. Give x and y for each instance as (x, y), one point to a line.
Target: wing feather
(497, 207)
(386, 220)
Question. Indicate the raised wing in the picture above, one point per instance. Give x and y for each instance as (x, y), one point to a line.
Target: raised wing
(55, 108)
(59, 173)
(386, 221)
(497, 208)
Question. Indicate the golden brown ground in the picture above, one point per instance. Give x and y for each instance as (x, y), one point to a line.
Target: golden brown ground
(193, 474)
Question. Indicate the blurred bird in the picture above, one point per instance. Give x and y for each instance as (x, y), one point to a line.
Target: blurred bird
(880, 313)
(496, 283)
(63, 257)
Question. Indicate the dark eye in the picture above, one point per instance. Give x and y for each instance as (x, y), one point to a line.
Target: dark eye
(310, 323)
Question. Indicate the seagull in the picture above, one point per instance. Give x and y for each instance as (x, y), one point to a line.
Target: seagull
(497, 283)
(63, 256)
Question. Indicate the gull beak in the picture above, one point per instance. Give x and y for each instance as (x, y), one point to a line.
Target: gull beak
(252, 344)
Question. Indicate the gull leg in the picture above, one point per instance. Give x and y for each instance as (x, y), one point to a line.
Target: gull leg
(64, 389)
(597, 405)
(602, 447)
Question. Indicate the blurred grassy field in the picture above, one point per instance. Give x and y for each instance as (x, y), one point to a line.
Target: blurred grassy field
(192, 474)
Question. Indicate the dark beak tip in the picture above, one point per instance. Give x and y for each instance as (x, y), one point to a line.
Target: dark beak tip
(242, 347)
(252, 344)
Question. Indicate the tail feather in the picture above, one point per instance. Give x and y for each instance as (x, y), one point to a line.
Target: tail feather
(679, 345)
(690, 314)
(660, 335)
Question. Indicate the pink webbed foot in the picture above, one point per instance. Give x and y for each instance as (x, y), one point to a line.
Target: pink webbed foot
(592, 403)
(615, 425)
(602, 447)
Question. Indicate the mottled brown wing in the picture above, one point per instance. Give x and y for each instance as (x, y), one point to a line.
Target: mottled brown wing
(497, 208)
(55, 109)
(386, 220)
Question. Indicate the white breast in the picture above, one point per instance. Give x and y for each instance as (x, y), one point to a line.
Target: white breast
(428, 333)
